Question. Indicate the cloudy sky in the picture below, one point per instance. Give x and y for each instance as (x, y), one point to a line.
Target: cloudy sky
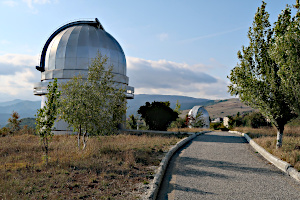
(172, 47)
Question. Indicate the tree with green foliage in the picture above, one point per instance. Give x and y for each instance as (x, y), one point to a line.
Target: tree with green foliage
(285, 51)
(255, 120)
(198, 121)
(132, 122)
(14, 122)
(177, 107)
(46, 117)
(256, 79)
(178, 123)
(158, 115)
(96, 105)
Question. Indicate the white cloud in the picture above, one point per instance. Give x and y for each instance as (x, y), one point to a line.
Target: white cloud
(4, 42)
(10, 3)
(163, 36)
(171, 78)
(17, 75)
(17, 83)
(19, 59)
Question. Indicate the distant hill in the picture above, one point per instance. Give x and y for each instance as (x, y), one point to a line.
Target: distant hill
(30, 122)
(223, 108)
(186, 102)
(215, 108)
(23, 107)
(27, 109)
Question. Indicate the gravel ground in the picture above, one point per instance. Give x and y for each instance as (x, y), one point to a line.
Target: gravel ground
(221, 165)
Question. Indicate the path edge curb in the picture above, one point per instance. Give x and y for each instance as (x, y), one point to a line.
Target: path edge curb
(280, 164)
(155, 184)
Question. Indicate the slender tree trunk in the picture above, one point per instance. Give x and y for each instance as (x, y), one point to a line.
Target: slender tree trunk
(85, 138)
(46, 150)
(78, 136)
(280, 130)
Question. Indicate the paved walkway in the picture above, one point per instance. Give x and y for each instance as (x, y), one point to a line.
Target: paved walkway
(221, 165)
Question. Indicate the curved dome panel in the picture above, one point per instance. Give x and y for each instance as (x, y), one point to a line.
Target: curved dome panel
(199, 109)
(71, 51)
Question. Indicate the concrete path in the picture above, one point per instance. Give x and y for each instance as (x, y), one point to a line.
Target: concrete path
(221, 165)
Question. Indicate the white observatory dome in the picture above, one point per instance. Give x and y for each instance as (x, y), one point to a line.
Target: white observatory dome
(69, 52)
(70, 49)
(195, 111)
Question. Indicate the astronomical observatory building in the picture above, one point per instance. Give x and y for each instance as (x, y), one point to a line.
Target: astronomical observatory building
(204, 115)
(68, 52)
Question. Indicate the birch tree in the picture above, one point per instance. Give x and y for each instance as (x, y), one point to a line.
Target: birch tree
(95, 105)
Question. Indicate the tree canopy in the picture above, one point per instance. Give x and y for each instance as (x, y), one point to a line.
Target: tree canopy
(285, 51)
(257, 79)
(158, 115)
(95, 106)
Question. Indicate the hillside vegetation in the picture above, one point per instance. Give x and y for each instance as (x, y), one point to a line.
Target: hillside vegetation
(223, 108)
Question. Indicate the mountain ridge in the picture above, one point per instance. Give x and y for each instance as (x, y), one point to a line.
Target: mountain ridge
(28, 109)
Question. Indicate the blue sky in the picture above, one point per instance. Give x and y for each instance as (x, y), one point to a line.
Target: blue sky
(172, 47)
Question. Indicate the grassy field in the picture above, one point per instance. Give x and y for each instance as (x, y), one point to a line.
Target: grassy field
(266, 137)
(111, 167)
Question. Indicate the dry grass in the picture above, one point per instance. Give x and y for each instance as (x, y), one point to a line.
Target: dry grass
(111, 167)
(266, 137)
(227, 107)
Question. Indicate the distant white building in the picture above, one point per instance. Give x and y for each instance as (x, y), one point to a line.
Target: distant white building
(217, 120)
(226, 122)
(192, 116)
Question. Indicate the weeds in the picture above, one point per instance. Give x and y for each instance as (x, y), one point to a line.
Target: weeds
(110, 166)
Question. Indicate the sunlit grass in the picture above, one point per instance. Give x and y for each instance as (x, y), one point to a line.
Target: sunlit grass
(266, 137)
(112, 167)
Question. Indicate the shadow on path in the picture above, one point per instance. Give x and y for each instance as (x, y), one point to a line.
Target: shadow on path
(220, 139)
(188, 189)
(187, 163)
(188, 166)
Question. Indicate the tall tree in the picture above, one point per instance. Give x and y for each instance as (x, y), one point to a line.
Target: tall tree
(256, 78)
(285, 50)
(74, 109)
(95, 106)
(46, 117)
(158, 115)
